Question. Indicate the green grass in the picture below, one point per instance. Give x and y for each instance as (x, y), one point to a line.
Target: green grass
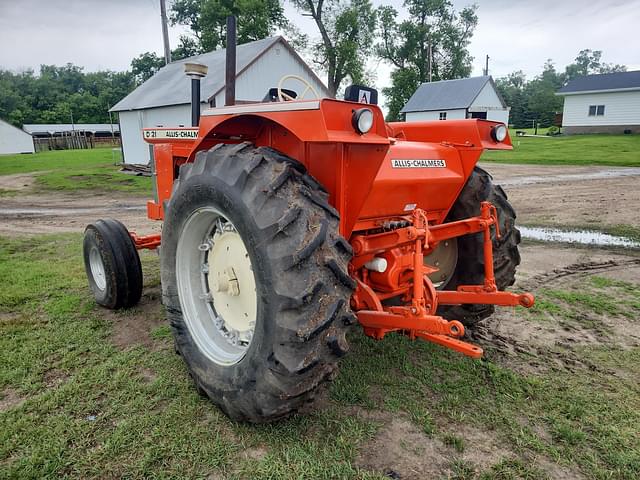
(608, 150)
(71, 170)
(134, 413)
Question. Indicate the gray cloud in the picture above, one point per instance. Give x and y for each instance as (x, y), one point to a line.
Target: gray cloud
(516, 34)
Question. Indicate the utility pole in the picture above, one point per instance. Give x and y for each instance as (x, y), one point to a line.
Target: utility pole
(486, 66)
(165, 32)
(430, 64)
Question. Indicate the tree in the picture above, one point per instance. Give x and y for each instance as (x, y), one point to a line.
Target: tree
(188, 47)
(542, 101)
(256, 19)
(346, 30)
(432, 44)
(512, 90)
(589, 62)
(57, 93)
(145, 66)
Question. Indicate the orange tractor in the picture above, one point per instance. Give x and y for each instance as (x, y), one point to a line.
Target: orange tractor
(287, 221)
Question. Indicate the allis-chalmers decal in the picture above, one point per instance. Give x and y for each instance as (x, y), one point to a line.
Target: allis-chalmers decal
(178, 133)
(419, 163)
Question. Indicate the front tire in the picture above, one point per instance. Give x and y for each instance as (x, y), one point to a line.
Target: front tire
(470, 264)
(112, 264)
(281, 349)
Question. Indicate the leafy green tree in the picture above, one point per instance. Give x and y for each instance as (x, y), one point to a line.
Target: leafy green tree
(188, 47)
(512, 90)
(346, 30)
(256, 19)
(145, 66)
(430, 45)
(589, 62)
(542, 101)
(57, 93)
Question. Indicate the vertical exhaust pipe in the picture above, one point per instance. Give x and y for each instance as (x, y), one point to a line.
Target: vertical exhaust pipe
(230, 72)
(195, 71)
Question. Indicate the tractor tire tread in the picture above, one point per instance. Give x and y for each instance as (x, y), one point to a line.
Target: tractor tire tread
(470, 267)
(298, 235)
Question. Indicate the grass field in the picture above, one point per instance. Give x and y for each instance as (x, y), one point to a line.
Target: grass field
(608, 150)
(75, 401)
(69, 170)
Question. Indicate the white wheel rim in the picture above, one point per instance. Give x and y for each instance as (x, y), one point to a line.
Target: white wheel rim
(445, 257)
(216, 286)
(97, 268)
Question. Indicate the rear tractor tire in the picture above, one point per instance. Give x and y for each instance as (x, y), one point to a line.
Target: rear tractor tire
(254, 280)
(469, 268)
(112, 264)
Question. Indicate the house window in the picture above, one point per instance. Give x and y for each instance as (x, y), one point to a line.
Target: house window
(596, 110)
(443, 115)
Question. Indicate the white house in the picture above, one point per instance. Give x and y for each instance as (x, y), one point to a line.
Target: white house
(604, 103)
(475, 97)
(14, 140)
(165, 99)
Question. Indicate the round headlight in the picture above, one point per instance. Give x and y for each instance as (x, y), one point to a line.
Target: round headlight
(499, 133)
(362, 120)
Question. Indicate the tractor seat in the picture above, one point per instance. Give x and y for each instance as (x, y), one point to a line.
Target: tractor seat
(272, 95)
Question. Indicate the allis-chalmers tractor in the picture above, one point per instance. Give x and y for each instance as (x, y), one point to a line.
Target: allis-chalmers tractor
(287, 221)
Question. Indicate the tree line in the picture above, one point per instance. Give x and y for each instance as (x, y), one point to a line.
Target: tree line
(535, 101)
(63, 94)
(426, 41)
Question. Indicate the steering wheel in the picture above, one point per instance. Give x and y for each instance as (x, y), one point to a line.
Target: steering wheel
(282, 96)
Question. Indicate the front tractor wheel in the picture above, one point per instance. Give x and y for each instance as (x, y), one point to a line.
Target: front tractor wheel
(112, 264)
(468, 269)
(254, 280)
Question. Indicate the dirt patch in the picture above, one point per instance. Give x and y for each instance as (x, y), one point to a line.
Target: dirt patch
(573, 196)
(133, 327)
(556, 471)
(54, 377)
(17, 182)
(148, 375)
(401, 450)
(60, 213)
(483, 449)
(531, 346)
(254, 453)
(10, 399)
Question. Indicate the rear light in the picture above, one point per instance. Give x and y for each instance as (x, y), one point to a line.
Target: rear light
(362, 120)
(499, 133)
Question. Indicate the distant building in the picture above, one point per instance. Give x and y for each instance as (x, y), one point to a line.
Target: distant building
(165, 99)
(604, 103)
(475, 97)
(14, 140)
(62, 136)
(57, 129)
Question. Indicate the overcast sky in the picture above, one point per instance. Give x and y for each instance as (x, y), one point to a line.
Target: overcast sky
(516, 34)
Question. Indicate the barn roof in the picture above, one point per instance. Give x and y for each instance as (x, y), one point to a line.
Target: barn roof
(447, 94)
(602, 81)
(4, 122)
(51, 128)
(170, 86)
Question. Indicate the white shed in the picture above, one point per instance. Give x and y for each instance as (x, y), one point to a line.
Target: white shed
(475, 97)
(165, 99)
(604, 103)
(14, 140)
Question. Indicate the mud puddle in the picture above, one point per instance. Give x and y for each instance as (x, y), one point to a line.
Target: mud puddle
(582, 237)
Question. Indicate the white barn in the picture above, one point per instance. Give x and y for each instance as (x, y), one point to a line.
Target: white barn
(604, 103)
(165, 99)
(475, 97)
(14, 140)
